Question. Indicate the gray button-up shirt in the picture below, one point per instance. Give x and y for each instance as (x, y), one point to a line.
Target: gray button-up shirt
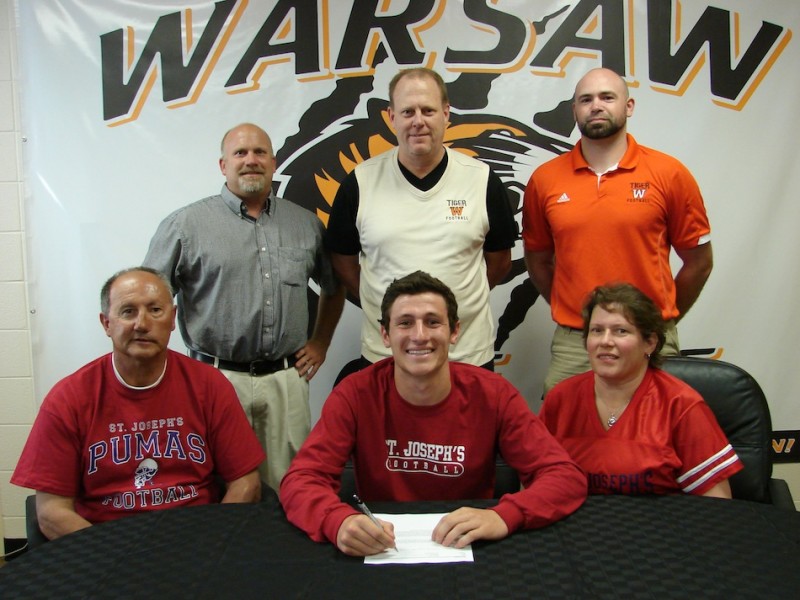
(241, 284)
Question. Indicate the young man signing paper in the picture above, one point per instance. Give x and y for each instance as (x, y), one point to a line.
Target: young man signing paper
(419, 427)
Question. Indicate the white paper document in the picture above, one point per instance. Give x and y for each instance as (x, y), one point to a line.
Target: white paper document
(414, 545)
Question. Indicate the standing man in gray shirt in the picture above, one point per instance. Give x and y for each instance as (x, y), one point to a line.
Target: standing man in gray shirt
(240, 263)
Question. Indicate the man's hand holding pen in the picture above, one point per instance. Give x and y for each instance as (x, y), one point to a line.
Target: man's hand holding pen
(360, 536)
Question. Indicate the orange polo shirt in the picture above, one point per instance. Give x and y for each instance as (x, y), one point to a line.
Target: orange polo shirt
(616, 227)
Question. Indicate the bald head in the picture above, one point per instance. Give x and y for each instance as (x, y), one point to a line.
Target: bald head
(603, 79)
(601, 106)
(244, 128)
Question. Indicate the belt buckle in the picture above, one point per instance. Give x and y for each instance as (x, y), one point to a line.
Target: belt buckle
(259, 367)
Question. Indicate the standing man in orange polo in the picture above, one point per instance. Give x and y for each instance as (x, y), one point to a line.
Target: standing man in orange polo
(611, 210)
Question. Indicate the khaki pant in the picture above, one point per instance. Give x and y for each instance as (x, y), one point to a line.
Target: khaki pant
(277, 407)
(568, 353)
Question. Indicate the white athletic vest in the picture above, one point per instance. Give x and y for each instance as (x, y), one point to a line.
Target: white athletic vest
(441, 232)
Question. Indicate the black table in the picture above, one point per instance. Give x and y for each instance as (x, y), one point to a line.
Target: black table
(613, 547)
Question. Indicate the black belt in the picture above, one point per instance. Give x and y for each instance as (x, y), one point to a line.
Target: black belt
(256, 368)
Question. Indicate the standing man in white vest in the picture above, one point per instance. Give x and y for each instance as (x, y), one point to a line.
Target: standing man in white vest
(423, 206)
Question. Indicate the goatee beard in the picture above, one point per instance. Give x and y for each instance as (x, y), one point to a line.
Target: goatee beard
(250, 186)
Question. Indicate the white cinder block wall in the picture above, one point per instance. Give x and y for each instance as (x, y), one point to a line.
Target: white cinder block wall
(17, 404)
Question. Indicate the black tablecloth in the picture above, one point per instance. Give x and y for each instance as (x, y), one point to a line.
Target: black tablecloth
(613, 547)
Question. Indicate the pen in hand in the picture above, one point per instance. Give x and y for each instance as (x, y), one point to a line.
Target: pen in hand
(363, 508)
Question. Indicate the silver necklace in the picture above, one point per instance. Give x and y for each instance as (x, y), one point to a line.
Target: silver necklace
(613, 417)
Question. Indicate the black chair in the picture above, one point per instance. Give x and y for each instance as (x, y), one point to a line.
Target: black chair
(35, 535)
(506, 480)
(741, 409)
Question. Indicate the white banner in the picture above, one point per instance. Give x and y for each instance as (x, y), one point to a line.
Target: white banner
(124, 103)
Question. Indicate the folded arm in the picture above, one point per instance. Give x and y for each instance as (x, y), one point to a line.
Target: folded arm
(57, 515)
(244, 489)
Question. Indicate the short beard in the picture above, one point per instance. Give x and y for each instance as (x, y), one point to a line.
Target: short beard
(250, 186)
(599, 132)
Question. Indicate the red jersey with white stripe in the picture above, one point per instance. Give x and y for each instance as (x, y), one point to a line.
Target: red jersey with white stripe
(667, 440)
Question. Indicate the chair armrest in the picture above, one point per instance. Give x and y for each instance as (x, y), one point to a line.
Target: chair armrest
(780, 494)
(34, 534)
(506, 479)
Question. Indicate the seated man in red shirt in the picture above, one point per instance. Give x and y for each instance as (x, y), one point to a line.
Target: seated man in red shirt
(419, 427)
(142, 428)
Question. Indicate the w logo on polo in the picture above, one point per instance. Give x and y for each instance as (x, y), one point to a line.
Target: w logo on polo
(456, 211)
(638, 191)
